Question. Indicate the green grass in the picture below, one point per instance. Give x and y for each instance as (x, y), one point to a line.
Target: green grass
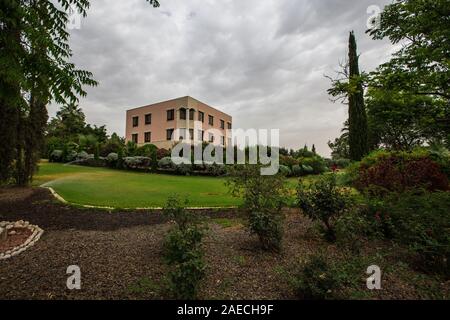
(104, 187)
(124, 189)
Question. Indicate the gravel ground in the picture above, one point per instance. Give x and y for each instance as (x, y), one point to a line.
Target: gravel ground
(119, 254)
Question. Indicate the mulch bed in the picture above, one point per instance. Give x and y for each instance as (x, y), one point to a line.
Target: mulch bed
(119, 254)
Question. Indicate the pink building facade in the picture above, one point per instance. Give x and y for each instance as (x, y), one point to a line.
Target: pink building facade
(165, 123)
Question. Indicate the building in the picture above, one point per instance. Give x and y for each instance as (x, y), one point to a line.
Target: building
(186, 118)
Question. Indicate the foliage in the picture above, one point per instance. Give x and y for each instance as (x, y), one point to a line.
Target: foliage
(357, 119)
(324, 201)
(402, 121)
(383, 172)
(285, 170)
(288, 161)
(112, 159)
(264, 197)
(137, 163)
(162, 153)
(338, 163)
(56, 156)
(166, 163)
(317, 164)
(215, 170)
(417, 219)
(268, 225)
(339, 148)
(350, 89)
(421, 65)
(182, 251)
(183, 169)
(316, 279)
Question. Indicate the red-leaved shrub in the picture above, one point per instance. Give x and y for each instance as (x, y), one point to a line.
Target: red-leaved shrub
(396, 173)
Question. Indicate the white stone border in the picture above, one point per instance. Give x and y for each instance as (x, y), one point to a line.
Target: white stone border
(35, 236)
(61, 199)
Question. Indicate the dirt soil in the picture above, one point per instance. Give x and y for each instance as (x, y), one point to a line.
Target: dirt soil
(119, 254)
(19, 236)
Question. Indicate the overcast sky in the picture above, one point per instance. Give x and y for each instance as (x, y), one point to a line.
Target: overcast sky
(261, 61)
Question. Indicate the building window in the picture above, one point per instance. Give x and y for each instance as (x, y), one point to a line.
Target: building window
(134, 137)
(135, 121)
(148, 137)
(182, 132)
(148, 118)
(211, 138)
(170, 115)
(229, 125)
(191, 114)
(222, 124)
(183, 114)
(191, 134)
(223, 140)
(169, 134)
(201, 135)
(201, 116)
(211, 120)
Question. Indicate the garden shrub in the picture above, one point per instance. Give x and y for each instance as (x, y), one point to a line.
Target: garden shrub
(110, 147)
(71, 156)
(307, 169)
(83, 155)
(316, 279)
(166, 163)
(146, 150)
(137, 163)
(112, 159)
(288, 161)
(264, 197)
(183, 169)
(317, 164)
(162, 153)
(338, 163)
(323, 201)
(52, 143)
(421, 221)
(297, 170)
(383, 172)
(92, 162)
(56, 156)
(285, 170)
(215, 170)
(182, 251)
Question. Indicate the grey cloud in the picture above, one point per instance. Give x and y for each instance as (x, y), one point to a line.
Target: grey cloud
(261, 61)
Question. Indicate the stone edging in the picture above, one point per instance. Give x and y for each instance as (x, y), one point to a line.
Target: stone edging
(61, 199)
(35, 236)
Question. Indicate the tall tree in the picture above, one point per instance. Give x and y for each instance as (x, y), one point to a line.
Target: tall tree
(34, 69)
(357, 118)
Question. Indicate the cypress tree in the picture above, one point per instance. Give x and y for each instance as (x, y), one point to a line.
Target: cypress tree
(357, 118)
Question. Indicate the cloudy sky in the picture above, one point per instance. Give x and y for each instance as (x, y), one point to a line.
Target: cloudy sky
(262, 61)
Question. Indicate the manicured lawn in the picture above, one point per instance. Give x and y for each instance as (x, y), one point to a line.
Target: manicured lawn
(124, 189)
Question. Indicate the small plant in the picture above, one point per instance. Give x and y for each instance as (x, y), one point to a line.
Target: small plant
(182, 251)
(316, 279)
(264, 197)
(323, 201)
